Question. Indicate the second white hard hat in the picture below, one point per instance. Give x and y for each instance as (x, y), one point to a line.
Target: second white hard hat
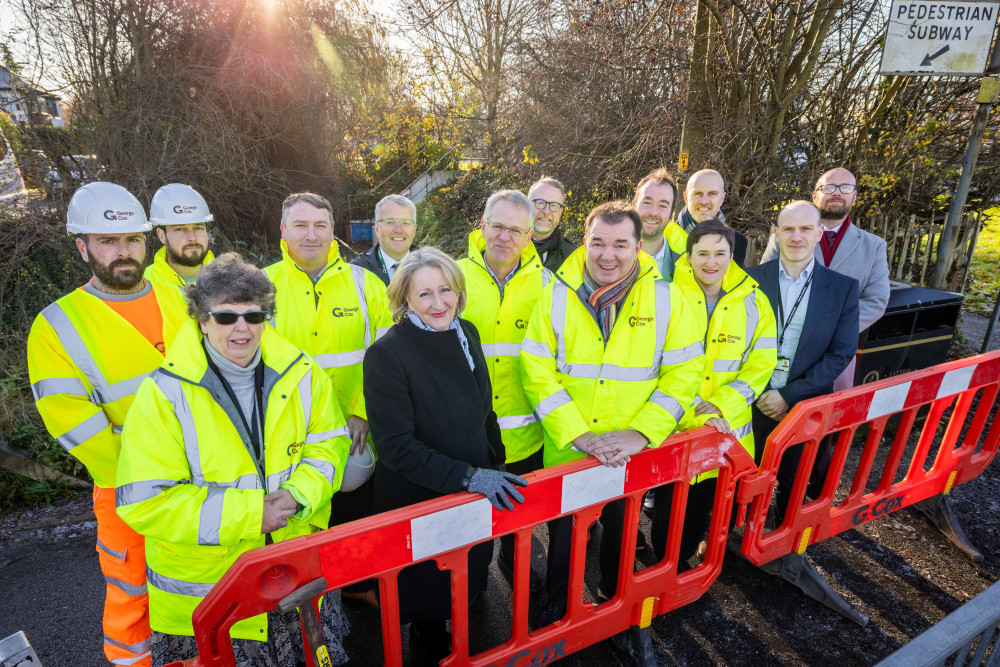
(178, 204)
(105, 208)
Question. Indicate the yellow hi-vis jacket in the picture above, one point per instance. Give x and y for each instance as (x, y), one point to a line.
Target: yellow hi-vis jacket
(191, 487)
(86, 362)
(676, 240)
(334, 321)
(502, 322)
(740, 349)
(161, 272)
(642, 378)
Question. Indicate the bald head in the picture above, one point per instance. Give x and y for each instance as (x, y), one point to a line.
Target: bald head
(835, 206)
(704, 194)
(797, 231)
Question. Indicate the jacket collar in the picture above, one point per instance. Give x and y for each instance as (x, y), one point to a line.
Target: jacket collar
(735, 280)
(332, 259)
(186, 358)
(477, 253)
(571, 272)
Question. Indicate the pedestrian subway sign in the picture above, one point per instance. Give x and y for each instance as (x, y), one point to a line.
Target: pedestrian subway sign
(944, 38)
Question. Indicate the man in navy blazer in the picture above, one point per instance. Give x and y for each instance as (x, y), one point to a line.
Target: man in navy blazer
(817, 312)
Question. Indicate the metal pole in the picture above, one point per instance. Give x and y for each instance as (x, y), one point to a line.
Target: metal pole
(989, 329)
(968, 166)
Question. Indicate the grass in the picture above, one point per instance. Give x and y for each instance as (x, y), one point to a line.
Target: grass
(984, 274)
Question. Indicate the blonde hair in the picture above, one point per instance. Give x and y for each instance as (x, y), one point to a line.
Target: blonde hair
(426, 257)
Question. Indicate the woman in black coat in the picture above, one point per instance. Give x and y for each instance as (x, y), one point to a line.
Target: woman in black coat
(431, 416)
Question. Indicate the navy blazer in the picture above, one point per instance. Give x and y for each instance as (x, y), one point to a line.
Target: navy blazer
(829, 337)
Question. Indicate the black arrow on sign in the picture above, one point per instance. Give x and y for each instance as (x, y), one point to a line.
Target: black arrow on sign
(929, 57)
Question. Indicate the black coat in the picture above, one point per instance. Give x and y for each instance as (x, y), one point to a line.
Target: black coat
(370, 260)
(554, 250)
(431, 417)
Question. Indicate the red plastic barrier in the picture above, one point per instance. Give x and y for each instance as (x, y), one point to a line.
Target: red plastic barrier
(446, 528)
(951, 385)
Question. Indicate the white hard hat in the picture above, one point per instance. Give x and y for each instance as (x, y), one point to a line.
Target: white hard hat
(178, 204)
(358, 469)
(105, 208)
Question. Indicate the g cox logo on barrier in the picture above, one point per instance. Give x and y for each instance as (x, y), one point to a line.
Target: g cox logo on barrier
(883, 506)
(345, 312)
(112, 214)
(184, 210)
(543, 657)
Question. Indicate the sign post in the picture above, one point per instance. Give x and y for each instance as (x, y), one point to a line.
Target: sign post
(947, 38)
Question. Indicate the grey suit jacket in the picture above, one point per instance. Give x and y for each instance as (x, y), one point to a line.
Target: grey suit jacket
(862, 256)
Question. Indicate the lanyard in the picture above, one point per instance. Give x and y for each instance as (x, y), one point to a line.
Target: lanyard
(254, 427)
(791, 314)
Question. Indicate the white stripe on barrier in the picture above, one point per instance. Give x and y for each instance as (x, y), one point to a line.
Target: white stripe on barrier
(956, 381)
(451, 528)
(591, 486)
(888, 400)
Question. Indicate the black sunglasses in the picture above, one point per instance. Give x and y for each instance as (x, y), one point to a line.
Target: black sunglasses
(227, 317)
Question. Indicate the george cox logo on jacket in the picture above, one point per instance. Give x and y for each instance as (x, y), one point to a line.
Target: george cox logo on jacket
(345, 312)
(639, 321)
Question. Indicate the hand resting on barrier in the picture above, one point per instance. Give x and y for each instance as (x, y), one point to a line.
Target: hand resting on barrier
(500, 488)
(772, 404)
(719, 424)
(616, 448)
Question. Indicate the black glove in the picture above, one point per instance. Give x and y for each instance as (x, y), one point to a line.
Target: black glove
(498, 487)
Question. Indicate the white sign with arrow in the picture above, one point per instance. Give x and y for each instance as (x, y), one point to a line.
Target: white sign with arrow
(945, 38)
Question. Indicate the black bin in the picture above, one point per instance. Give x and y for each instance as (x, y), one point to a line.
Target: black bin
(915, 332)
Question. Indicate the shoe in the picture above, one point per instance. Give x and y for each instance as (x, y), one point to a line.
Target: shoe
(550, 614)
(641, 547)
(369, 597)
(507, 570)
(433, 637)
(649, 502)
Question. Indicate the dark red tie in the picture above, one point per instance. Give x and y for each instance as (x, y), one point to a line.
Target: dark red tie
(829, 237)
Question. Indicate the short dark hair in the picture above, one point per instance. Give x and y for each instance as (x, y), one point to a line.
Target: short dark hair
(714, 226)
(613, 213)
(229, 279)
(659, 176)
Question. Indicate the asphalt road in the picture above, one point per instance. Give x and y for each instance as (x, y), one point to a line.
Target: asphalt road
(898, 570)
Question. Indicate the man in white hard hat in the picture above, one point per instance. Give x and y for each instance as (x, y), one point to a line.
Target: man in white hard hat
(87, 355)
(181, 218)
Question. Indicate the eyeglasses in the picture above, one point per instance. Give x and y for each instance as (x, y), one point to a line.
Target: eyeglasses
(845, 188)
(515, 233)
(391, 222)
(540, 204)
(227, 317)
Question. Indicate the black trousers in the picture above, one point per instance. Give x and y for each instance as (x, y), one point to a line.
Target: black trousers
(789, 466)
(522, 467)
(560, 548)
(696, 519)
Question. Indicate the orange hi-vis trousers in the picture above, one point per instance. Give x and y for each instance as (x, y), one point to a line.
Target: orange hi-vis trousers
(122, 554)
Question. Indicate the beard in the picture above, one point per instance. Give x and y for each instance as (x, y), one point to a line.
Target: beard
(123, 280)
(834, 211)
(187, 260)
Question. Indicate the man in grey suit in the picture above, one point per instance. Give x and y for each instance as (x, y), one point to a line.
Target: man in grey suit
(848, 250)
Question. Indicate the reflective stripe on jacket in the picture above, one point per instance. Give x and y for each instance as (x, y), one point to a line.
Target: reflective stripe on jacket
(161, 272)
(502, 322)
(740, 348)
(86, 362)
(333, 321)
(642, 378)
(189, 484)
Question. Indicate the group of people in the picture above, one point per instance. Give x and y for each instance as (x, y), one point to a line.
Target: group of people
(217, 406)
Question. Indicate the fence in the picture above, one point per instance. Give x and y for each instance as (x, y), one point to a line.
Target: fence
(446, 529)
(912, 246)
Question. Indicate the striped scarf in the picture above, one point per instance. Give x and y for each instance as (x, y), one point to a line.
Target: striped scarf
(606, 300)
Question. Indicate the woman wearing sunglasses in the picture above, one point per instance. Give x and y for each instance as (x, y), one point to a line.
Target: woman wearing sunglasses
(233, 443)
